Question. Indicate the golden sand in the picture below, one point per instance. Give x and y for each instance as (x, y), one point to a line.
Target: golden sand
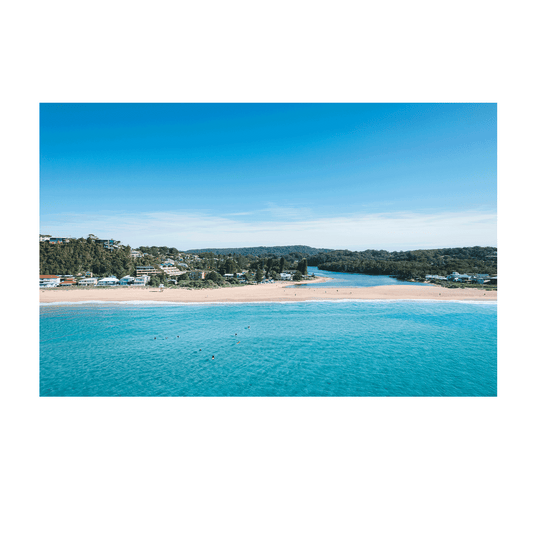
(272, 292)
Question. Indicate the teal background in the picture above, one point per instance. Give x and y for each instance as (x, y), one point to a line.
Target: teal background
(263, 474)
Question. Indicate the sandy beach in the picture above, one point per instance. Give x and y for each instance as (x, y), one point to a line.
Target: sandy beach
(275, 292)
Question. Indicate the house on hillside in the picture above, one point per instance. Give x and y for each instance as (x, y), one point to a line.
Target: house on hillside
(285, 276)
(146, 271)
(127, 280)
(197, 274)
(171, 270)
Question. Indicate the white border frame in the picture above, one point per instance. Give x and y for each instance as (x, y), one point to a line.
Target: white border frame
(31, 95)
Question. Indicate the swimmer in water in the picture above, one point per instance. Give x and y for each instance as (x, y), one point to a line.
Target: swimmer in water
(213, 357)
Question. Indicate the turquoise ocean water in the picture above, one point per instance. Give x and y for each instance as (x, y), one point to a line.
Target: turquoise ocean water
(328, 348)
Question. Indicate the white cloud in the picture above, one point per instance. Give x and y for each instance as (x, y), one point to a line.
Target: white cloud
(186, 230)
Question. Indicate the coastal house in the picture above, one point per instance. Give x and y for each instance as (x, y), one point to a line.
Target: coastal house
(68, 283)
(197, 274)
(49, 281)
(108, 281)
(58, 240)
(85, 282)
(48, 285)
(171, 270)
(43, 238)
(480, 278)
(454, 276)
(136, 254)
(50, 277)
(141, 281)
(146, 271)
(109, 242)
(127, 280)
(285, 276)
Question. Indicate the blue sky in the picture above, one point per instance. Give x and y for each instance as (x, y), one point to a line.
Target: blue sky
(356, 176)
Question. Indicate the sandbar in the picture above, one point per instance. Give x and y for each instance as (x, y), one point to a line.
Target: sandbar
(271, 292)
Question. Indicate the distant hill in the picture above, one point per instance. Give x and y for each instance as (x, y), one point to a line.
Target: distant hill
(259, 251)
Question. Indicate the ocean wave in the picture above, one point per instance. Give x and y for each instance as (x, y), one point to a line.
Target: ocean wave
(324, 301)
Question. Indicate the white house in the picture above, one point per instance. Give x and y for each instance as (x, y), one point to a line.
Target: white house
(127, 280)
(285, 276)
(171, 270)
(140, 281)
(108, 281)
(49, 281)
(88, 281)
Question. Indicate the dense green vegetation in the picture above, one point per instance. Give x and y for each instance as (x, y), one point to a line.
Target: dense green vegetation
(410, 265)
(84, 255)
(296, 251)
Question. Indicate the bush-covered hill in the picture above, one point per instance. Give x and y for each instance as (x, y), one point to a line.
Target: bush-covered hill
(412, 264)
(81, 255)
(260, 251)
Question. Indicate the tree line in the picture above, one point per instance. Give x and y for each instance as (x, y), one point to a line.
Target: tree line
(84, 255)
(411, 264)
